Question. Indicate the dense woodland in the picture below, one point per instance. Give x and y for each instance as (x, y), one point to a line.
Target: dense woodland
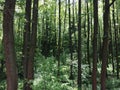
(59, 44)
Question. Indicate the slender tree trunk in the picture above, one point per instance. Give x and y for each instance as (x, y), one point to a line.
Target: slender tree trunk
(105, 45)
(46, 38)
(30, 73)
(88, 38)
(85, 29)
(111, 47)
(95, 49)
(55, 36)
(65, 17)
(116, 40)
(99, 41)
(91, 19)
(26, 41)
(64, 26)
(43, 33)
(79, 46)
(74, 28)
(59, 39)
(8, 41)
(70, 41)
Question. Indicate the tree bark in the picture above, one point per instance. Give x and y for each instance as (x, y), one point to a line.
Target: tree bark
(30, 73)
(95, 48)
(59, 39)
(70, 41)
(26, 40)
(116, 40)
(105, 45)
(8, 41)
(79, 81)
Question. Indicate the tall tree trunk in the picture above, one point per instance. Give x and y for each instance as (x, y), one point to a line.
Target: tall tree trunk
(8, 41)
(46, 44)
(70, 41)
(99, 42)
(91, 19)
(105, 45)
(73, 27)
(55, 36)
(59, 39)
(111, 47)
(79, 46)
(30, 72)
(95, 55)
(65, 17)
(64, 25)
(88, 38)
(116, 40)
(26, 40)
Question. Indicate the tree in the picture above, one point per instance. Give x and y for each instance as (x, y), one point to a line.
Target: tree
(94, 71)
(79, 46)
(33, 39)
(30, 39)
(111, 47)
(88, 37)
(116, 40)
(59, 39)
(8, 41)
(26, 40)
(70, 41)
(105, 44)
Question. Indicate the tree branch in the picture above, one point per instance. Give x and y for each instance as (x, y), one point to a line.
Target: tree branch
(112, 3)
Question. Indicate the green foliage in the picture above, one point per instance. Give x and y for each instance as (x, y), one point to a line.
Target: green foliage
(46, 77)
(20, 84)
(113, 83)
(2, 85)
